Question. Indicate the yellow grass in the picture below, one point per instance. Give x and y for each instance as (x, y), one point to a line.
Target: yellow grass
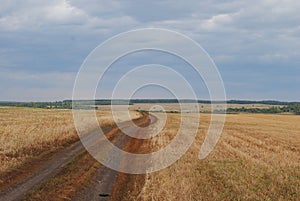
(26, 133)
(257, 158)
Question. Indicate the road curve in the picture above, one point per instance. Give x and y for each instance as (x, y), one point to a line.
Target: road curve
(53, 166)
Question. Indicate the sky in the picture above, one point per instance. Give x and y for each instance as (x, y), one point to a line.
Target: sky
(254, 44)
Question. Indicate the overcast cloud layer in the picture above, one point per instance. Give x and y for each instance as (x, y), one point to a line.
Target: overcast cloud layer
(255, 44)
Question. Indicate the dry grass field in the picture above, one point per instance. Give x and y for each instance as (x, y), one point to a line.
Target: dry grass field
(257, 158)
(26, 133)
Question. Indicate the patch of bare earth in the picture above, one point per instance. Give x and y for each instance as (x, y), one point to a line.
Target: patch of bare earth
(78, 180)
(29, 137)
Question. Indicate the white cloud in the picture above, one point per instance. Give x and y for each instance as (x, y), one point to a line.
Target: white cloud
(34, 16)
(64, 12)
(218, 21)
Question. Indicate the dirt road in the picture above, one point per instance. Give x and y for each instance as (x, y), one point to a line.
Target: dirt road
(102, 184)
(104, 178)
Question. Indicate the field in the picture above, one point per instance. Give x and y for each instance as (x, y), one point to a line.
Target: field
(257, 158)
(27, 134)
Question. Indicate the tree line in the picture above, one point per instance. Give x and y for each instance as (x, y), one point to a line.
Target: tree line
(290, 108)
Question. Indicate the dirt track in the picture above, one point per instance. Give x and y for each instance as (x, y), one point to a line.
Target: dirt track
(104, 179)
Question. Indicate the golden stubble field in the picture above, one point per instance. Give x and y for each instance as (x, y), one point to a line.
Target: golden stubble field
(28, 133)
(257, 158)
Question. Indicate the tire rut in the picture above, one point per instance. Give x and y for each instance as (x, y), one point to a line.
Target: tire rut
(102, 185)
(51, 168)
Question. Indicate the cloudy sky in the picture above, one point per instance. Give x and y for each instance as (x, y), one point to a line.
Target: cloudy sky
(255, 44)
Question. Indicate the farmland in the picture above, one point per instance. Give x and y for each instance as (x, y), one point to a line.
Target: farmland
(256, 158)
(29, 134)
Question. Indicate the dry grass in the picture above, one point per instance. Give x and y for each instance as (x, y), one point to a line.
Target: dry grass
(26, 133)
(257, 158)
(68, 183)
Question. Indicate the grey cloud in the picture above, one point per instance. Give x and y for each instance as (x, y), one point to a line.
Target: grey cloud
(56, 36)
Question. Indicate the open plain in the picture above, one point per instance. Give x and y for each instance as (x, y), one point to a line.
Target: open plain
(256, 158)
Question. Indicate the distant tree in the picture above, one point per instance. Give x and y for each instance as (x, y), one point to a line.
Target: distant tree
(296, 108)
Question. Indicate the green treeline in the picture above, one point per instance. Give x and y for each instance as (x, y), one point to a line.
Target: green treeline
(56, 104)
(291, 108)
